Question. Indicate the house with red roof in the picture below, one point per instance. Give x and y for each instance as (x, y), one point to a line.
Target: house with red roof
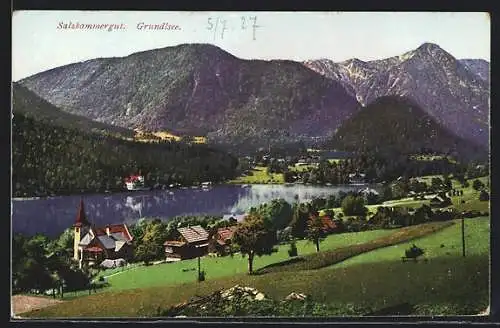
(220, 242)
(94, 244)
(329, 226)
(191, 242)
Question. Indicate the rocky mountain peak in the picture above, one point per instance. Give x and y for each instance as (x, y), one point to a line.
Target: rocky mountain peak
(455, 93)
(429, 47)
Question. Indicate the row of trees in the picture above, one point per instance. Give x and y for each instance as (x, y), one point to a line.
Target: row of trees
(56, 160)
(379, 168)
(41, 264)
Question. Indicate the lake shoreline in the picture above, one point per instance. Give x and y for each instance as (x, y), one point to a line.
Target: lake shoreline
(51, 216)
(243, 185)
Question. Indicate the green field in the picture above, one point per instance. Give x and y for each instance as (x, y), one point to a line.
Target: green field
(445, 284)
(450, 238)
(259, 176)
(215, 267)
(302, 168)
(470, 196)
(406, 202)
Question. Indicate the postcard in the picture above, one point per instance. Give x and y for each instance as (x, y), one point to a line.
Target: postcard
(250, 164)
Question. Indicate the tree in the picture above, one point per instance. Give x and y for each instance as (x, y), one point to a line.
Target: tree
(29, 263)
(255, 236)
(436, 183)
(278, 211)
(372, 198)
(422, 214)
(318, 203)
(332, 202)
(387, 193)
(399, 189)
(354, 205)
(447, 182)
(477, 184)
(155, 234)
(293, 249)
(315, 231)
(146, 252)
(64, 243)
(301, 213)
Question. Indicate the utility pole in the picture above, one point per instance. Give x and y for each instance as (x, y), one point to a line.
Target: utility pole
(463, 236)
(199, 266)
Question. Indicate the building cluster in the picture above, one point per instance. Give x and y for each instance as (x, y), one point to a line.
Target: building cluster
(94, 245)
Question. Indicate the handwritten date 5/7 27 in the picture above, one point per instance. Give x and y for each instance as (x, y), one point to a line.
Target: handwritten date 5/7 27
(220, 25)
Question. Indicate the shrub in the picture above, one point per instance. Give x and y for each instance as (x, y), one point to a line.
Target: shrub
(471, 214)
(352, 205)
(484, 196)
(414, 251)
(293, 249)
(201, 276)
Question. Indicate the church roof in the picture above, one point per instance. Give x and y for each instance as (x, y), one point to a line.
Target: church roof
(117, 238)
(107, 242)
(81, 218)
(86, 240)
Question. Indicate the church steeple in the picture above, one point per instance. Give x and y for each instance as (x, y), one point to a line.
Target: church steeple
(81, 218)
(81, 221)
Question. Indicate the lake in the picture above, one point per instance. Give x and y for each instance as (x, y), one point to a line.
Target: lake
(51, 216)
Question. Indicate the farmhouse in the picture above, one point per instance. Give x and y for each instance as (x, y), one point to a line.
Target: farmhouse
(221, 241)
(357, 178)
(234, 217)
(328, 225)
(440, 201)
(367, 191)
(191, 242)
(99, 243)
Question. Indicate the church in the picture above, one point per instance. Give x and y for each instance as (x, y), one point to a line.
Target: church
(92, 244)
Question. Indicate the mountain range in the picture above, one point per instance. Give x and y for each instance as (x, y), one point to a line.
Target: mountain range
(200, 89)
(454, 92)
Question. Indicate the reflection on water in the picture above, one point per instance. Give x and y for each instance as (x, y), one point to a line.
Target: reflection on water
(50, 216)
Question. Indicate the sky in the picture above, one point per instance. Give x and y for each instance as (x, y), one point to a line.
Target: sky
(39, 44)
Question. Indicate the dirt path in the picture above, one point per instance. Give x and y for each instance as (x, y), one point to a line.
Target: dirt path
(23, 303)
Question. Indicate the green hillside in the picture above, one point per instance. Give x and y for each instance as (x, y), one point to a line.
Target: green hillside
(51, 159)
(445, 284)
(398, 125)
(29, 104)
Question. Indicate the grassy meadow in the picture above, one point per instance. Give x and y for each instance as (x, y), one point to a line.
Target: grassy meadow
(259, 176)
(445, 284)
(216, 267)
